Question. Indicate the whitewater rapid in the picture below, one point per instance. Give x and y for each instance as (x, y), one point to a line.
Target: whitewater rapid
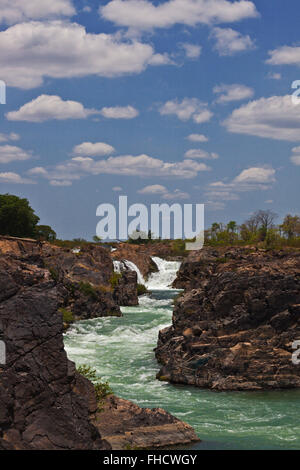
(160, 280)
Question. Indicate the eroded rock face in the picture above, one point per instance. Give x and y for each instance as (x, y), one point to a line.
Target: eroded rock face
(234, 326)
(44, 403)
(127, 426)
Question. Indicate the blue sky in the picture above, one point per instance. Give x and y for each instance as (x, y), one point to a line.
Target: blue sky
(186, 101)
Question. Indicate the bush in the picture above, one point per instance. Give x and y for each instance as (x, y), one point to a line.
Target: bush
(114, 280)
(102, 389)
(141, 289)
(67, 316)
(87, 289)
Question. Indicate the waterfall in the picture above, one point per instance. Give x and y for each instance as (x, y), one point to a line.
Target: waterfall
(166, 275)
(161, 280)
(120, 266)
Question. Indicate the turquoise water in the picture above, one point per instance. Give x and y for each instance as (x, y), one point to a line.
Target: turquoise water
(121, 350)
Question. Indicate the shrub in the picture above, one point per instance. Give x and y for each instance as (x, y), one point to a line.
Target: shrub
(87, 289)
(141, 289)
(114, 280)
(102, 389)
(68, 317)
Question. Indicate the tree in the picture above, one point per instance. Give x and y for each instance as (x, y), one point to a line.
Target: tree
(17, 218)
(232, 226)
(291, 226)
(44, 232)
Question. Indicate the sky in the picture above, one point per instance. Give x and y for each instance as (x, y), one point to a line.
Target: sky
(169, 101)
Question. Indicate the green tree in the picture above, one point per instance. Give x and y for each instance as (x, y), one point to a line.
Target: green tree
(17, 218)
(44, 232)
(291, 226)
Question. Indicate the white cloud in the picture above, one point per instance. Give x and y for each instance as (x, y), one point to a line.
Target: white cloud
(89, 149)
(274, 76)
(162, 191)
(188, 108)
(285, 55)
(60, 183)
(197, 138)
(126, 165)
(230, 42)
(274, 118)
(14, 178)
(120, 112)
(199, 153)
(6, 137)
(117, 189)
(295, 158)
(256, 175)
(10, 153)
(235, 92)
(47, 107)
(16, 11)
(192, 51)
(250, 179)
(144, 15)
(31, 51)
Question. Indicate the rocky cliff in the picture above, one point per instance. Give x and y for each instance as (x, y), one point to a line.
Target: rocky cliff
(234, 326)
(44, 402)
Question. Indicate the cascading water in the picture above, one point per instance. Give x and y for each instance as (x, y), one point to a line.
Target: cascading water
(166, 275)
(121, 351)
(121, 266)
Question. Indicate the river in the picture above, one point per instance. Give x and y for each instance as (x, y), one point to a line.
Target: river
(121, 351)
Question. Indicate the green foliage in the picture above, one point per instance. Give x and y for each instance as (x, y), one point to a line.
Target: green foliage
(54, 274)
(141, 289)
(17, 218)
(102, 389)
(114, 280)
(178, 247)
(87, 289)
(44, 232)
(68, 317)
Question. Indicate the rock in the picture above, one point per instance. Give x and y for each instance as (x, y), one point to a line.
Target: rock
(234, 326)
(42, 405)
(127, 426)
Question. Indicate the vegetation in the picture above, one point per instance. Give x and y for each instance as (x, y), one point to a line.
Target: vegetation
(45, 233)
(87, 289)
(114, 280)
(141, 289)
(68, 317)
(102, 389)
(17, 218)
(259, 229)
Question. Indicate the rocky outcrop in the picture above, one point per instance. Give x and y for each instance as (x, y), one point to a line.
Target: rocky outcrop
(127, 426)
(125, 292)
(234, 326)
(44, 403)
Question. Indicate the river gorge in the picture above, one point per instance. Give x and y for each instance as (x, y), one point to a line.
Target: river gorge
(121, 351)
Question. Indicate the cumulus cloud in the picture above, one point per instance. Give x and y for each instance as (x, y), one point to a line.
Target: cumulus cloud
(47, 107)
(230, 42)
(144, 15)
(295, 158)
(199, 153)
(274, 76)
(235, 92)
(258, 178)
(31, 51)
(14, 178)
(164, 193)
(188, 108)
(16, 11)
(274, 118)
(197, 138)
(97, 149)
(285, 55)
(6, 137)
(10, 153)
(126, 165)
(192, 51)
(120, 112)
